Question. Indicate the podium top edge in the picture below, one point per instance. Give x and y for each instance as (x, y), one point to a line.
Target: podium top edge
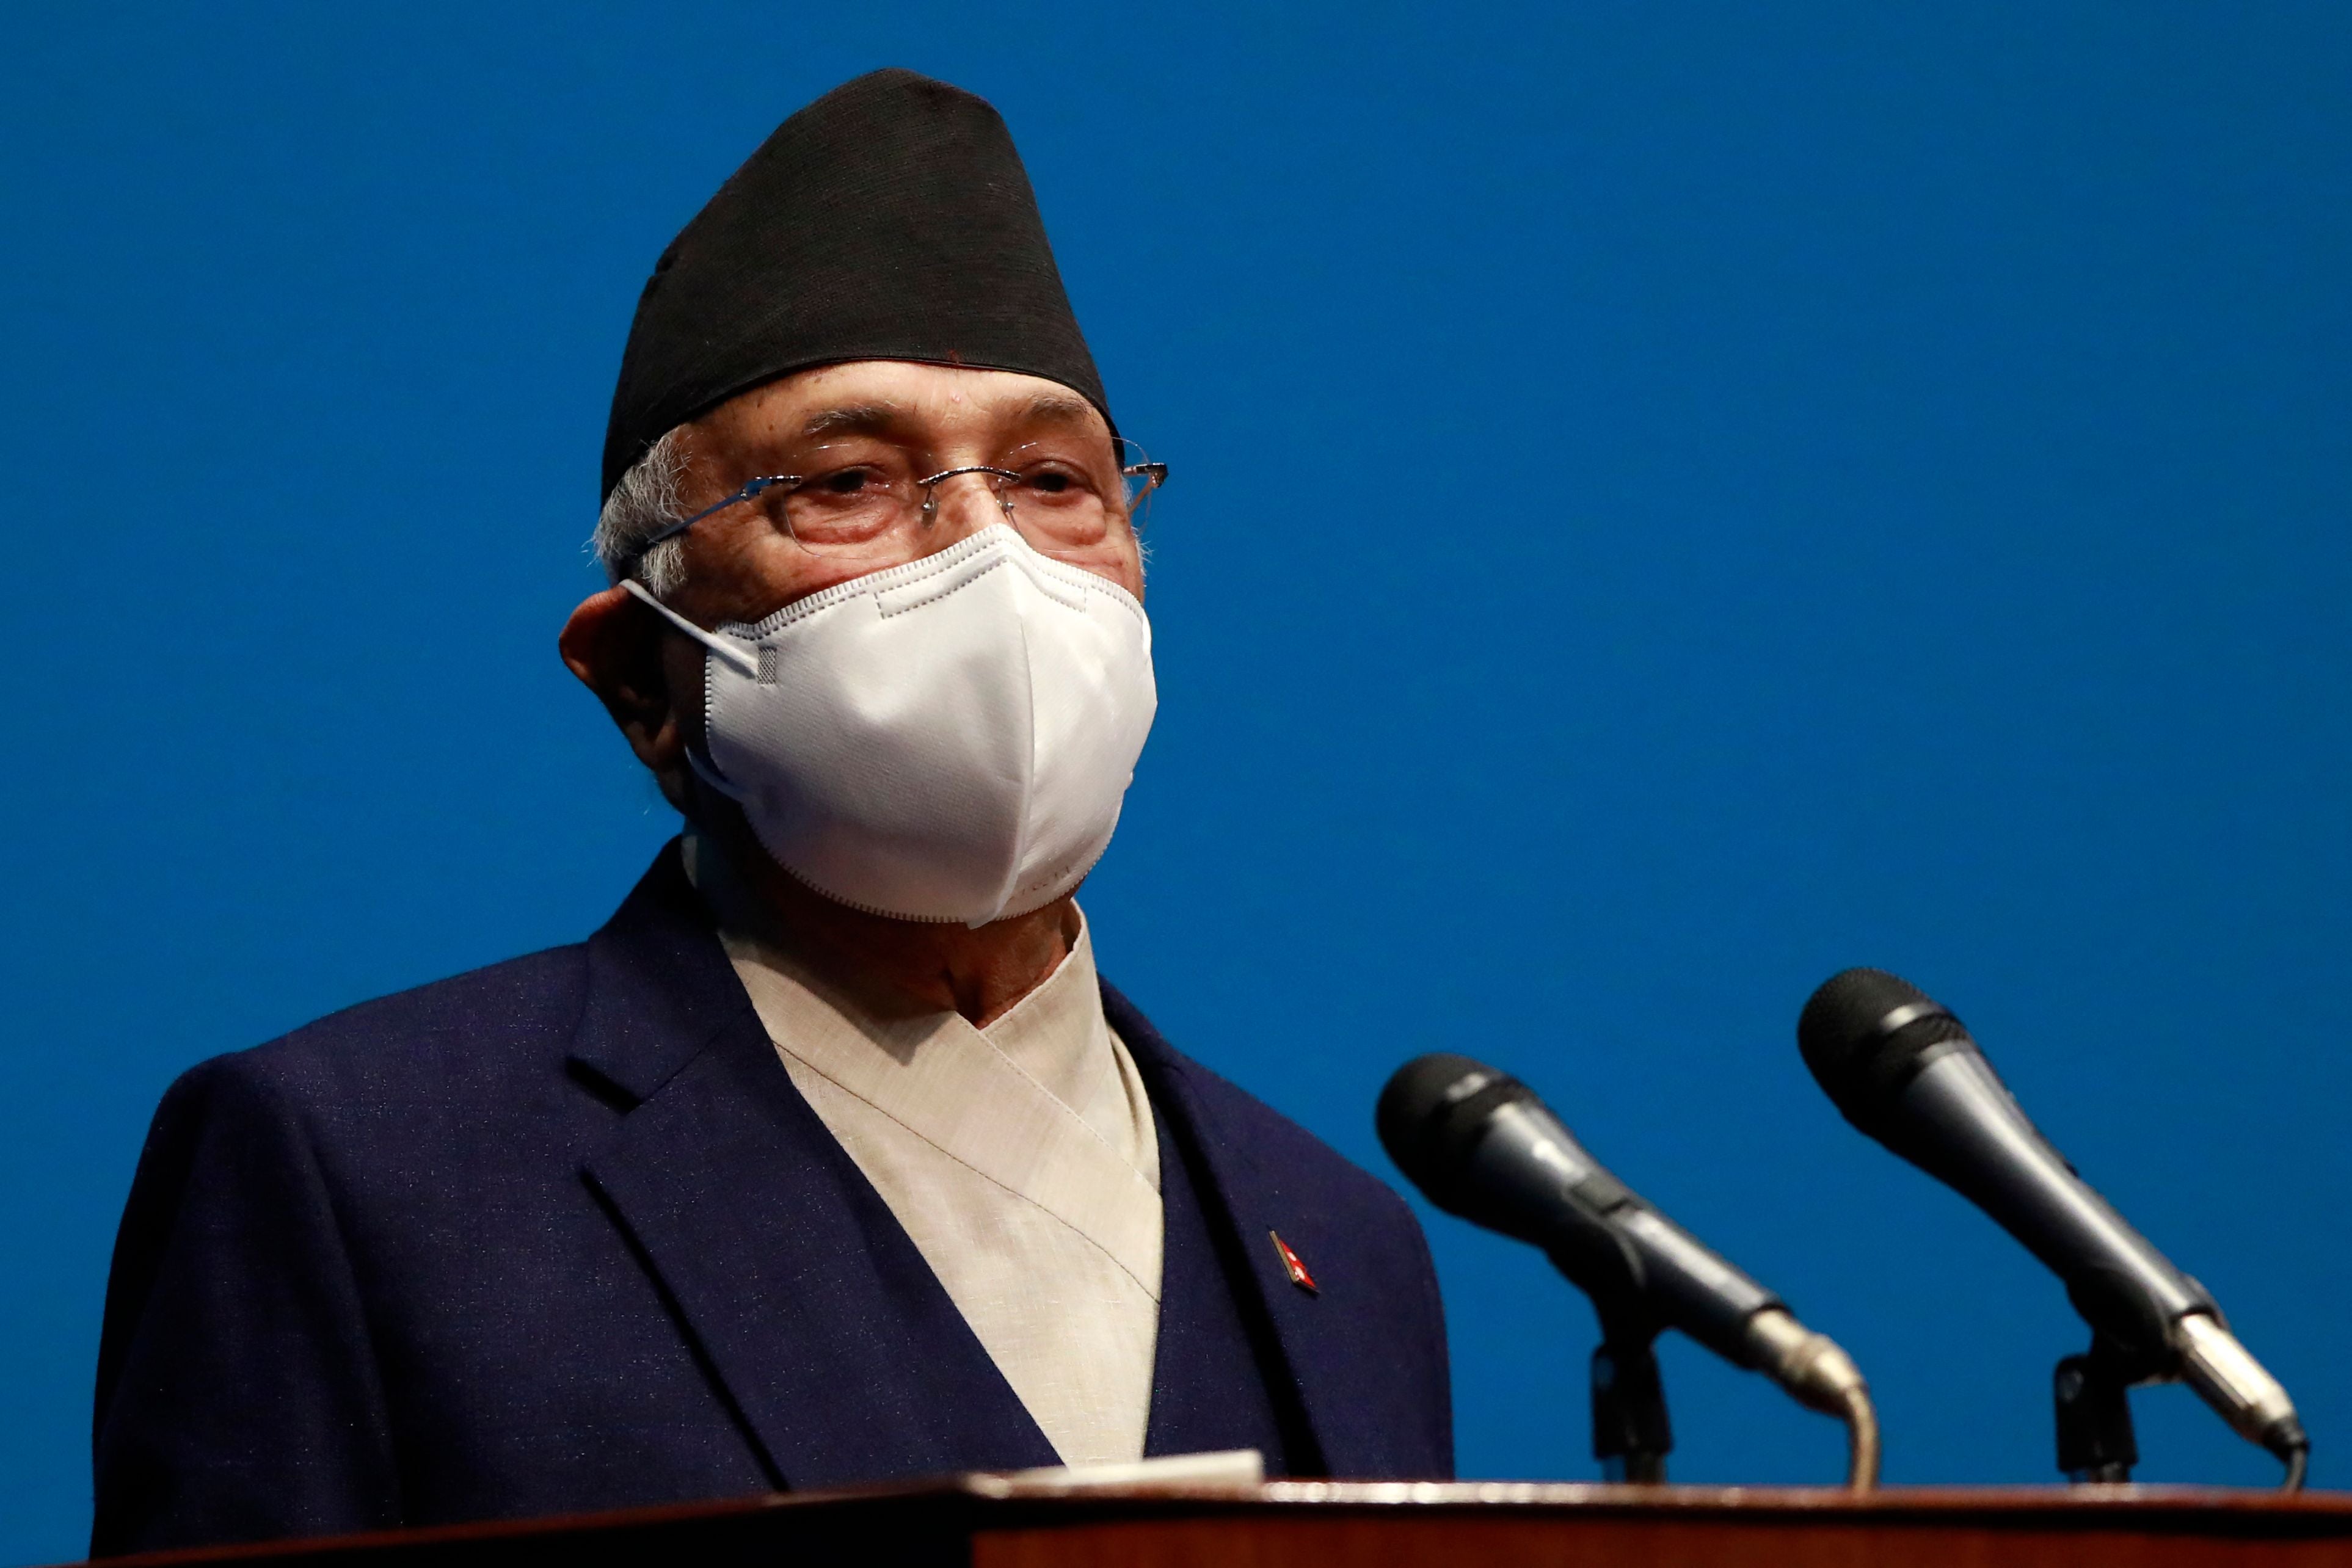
(984, 1501)
(1895, 1499)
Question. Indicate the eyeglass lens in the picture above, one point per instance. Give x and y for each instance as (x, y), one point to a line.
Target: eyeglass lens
(871, 499)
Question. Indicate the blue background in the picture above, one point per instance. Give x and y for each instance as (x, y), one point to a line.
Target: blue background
(1670, 501)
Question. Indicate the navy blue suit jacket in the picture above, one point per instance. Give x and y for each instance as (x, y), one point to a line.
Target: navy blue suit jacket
(559, 1235)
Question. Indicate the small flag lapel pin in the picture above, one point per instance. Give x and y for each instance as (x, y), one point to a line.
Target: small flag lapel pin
(1292, 1266)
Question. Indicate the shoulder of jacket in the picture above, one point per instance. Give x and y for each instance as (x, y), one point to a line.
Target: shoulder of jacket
(1273, 1135)
(517, 1014)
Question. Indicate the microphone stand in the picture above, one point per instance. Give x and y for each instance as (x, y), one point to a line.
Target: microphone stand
(1629, 1431)
(2095, 1444)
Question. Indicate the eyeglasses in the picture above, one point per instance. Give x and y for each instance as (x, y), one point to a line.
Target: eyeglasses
(871, 501)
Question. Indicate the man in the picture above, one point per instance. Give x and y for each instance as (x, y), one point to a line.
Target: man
(828, 1159)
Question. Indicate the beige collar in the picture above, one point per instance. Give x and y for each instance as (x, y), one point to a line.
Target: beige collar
(1043, 1101)
(1020, 1159)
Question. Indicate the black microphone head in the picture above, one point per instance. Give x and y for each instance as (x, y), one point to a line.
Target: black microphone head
(1866, 1033)
(1884, 1051)
(1432, 1115)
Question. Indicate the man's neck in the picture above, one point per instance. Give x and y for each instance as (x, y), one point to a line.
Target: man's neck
(895, 966)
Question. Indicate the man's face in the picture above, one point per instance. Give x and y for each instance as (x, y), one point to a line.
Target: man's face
(742, 565)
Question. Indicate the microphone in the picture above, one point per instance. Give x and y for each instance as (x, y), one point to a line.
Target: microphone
(1483, 1147)
(1902, 1069)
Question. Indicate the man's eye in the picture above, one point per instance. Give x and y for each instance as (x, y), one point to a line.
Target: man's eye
(1051, 482)
(846, 481)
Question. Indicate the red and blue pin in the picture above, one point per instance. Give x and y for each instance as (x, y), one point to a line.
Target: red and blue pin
(1292, 1266)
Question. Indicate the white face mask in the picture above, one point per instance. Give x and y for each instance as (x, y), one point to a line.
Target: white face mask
(948, 739)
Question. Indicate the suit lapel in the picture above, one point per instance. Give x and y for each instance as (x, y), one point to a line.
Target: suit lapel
(1218, 1380)
(1317, 1332)
(815, 1312)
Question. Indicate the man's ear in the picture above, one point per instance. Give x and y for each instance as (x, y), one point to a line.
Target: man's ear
(614, 644)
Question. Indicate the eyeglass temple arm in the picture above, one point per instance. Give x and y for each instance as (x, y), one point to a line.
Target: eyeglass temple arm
(765, 483)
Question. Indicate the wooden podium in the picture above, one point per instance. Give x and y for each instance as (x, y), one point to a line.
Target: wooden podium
(992, 1521)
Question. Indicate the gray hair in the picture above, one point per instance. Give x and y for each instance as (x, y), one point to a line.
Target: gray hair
(642, 505)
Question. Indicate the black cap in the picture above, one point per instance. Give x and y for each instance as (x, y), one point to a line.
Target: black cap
(891, 219)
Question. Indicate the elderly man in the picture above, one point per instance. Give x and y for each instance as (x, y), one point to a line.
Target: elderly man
(829, 1158)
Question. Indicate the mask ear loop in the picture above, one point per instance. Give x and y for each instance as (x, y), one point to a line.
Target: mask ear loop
(724, 648)
(727, 648)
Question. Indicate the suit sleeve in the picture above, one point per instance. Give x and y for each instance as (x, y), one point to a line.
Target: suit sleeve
(1436, 1372)
(237, 1394)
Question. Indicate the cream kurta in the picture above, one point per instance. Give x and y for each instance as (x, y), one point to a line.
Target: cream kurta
(1020, 1158)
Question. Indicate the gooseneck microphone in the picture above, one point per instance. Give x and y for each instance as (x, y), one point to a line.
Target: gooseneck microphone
(1482, 1146)
(1903, 1070)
